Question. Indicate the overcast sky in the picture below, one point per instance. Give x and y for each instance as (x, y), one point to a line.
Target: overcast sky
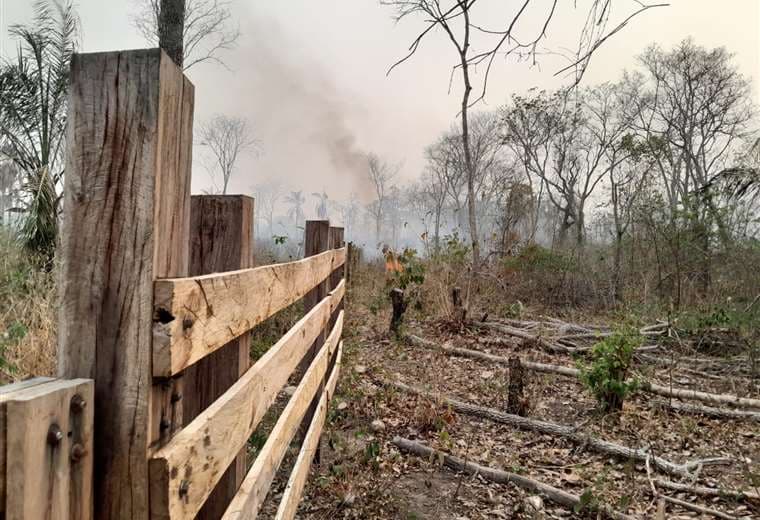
(311, 75)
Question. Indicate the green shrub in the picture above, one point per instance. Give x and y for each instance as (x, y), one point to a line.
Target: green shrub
(536, 259)
(606, 374)
(412, 272)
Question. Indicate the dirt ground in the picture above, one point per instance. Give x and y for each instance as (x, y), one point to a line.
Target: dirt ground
(363, 475)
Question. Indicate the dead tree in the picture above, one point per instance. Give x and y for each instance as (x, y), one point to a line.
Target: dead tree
(455, 19)
(227, 138)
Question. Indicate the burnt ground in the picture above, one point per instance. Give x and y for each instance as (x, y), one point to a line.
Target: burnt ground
(363, 475)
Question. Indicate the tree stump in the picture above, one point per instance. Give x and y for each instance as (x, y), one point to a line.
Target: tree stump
(516, 402)
(399, 303)
(460, 312)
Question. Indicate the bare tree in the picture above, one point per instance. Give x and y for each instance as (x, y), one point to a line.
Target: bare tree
(267, 195)
(348, 211)
(191, 31)
(693, 108)
(431, 192)
(226, 138)
(565, 142)
(380, 174)
(456, 19)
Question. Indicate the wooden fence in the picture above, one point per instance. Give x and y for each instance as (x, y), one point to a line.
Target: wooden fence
(157, 401)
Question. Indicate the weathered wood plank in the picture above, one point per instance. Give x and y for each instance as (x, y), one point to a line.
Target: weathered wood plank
(221, 239)
(297, 480)
(6, 392)
(185, 471)
(256, 485)
(127, 200)
(195, 316)
(49, 451)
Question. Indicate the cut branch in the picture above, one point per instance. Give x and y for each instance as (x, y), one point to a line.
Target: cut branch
(566, 432)
(501, 477)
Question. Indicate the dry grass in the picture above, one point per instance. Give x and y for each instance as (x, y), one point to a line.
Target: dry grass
(27, 315)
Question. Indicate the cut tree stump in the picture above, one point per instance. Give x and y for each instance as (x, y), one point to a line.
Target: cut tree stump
(516, 402)
(399, 303)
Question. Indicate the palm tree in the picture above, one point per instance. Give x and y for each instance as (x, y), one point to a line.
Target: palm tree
(33, 105)
(296, 200)
(321, 207)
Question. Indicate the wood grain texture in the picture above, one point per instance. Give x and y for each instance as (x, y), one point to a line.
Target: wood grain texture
(127, 213)
(249, 499)
(184, 472)
(221, 239)
(196, 316)
(292, 495)
(6, 392)
(44, 482)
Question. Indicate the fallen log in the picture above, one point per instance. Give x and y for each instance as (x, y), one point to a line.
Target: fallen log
(680, 393)
(552, 346)
(702, 491)
(708, 411)
(567, 432)
(697, 508)
(500, 477)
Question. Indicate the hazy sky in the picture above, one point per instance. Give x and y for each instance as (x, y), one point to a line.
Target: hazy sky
(311, 76)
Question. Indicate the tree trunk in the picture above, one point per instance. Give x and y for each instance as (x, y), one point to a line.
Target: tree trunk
(171, 30)
(516, 403)
(471, 201)
(617, 283)
(399, 307)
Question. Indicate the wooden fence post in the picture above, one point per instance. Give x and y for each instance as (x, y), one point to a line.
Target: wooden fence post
(317, 240)
(221, 239)
(127, 200)
(46, 449)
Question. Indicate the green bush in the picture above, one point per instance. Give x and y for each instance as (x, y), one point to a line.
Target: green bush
(412, 272)
(537, 259)
(606, 374)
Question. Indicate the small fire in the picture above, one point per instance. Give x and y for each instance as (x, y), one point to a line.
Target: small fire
(392, 265)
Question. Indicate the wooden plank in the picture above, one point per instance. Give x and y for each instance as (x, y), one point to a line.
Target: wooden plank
(127, 199)
(292, 495)
(49, 451)
(6, 392)
(221, 239)
(256, 485)
(184, 472)
(196, 316)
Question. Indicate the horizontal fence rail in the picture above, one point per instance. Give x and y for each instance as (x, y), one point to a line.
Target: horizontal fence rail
(185, 471)
(294, 489)
(195, 316)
